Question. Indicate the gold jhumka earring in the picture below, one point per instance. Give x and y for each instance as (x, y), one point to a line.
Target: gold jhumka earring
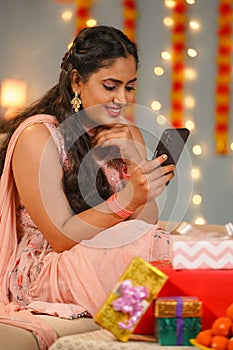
(76, 102)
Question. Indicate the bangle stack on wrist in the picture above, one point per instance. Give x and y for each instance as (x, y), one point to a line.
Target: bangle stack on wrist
(125, 175)
(117, 208)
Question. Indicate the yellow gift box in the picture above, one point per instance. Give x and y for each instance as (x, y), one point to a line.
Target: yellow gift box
(127, 303)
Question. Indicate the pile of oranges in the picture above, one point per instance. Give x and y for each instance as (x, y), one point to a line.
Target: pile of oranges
(220, 336)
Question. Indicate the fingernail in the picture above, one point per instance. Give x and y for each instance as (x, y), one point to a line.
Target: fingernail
(164, 156)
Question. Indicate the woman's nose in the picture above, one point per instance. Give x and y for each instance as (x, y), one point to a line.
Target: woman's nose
(120, 97)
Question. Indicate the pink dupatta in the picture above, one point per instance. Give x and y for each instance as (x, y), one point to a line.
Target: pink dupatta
(11, 313)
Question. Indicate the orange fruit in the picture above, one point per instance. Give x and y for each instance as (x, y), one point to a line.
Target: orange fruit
(222, 326)
(229, 311)
(230, 344)
(205, 337)
(219, 342)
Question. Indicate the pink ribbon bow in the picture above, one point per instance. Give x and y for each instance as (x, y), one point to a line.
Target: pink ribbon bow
(130, 302)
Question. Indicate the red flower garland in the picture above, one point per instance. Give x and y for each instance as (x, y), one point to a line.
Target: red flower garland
(222, 109)
(129, 28)
(129, 18)
(82, 13)
(178, 63)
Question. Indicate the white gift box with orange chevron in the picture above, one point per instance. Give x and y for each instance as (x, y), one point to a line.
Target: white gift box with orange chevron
(202, 250)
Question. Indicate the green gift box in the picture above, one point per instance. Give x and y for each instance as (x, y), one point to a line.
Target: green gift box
(177, 319)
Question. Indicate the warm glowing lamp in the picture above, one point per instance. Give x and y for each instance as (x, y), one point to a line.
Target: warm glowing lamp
(13, 93)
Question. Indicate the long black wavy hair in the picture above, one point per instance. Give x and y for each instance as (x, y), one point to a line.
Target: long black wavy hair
(92, 49)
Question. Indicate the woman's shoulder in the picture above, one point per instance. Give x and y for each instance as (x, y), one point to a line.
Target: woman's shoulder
(33, 131)
(40, 119)
(42, 129)
(36, 124)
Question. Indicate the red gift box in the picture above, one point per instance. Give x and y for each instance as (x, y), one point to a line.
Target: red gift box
(213, 287)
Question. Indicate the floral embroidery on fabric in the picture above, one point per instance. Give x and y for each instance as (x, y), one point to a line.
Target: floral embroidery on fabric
(31, 283)
(32, 246)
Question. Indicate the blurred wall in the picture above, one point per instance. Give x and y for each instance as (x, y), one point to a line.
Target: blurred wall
(33, 39)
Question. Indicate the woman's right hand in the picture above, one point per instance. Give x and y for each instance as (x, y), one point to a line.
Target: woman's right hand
(147, 181)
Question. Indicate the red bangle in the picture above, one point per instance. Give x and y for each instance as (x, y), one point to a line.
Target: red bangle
(116, 207)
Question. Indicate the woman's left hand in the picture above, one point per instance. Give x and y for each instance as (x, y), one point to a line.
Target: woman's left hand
(120, 135)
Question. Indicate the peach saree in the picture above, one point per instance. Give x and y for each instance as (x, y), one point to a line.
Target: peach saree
(36, 279)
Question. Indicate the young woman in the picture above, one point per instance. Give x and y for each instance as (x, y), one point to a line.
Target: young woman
(77, 193)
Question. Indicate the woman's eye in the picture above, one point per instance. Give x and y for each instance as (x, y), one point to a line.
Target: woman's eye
(109, 87)
(130, 88)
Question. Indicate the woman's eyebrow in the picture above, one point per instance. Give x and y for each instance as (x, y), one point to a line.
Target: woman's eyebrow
(119, 81)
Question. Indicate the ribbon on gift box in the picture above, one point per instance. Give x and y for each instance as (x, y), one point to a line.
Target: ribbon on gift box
(180, 320)
(178, 315)
(130, 302)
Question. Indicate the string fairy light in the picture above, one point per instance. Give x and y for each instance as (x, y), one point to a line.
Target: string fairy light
(158, 71)
(197, 150)
(195, 173)
(91, 22)
(156, 105)
(189, 124)
(200, 220)
(179, 25)
(166, 55)
(197, 199)
(194, 25)
(67, 15)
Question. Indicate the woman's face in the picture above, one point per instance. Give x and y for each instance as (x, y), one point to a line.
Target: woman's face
(110, 90)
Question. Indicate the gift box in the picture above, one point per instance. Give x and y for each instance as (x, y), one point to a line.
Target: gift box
(127, 303)
(211, 286)
(177, 319)
(197, 249)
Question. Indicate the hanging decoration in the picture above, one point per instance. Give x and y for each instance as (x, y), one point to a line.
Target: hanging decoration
(83, 8)
(223, 78)
(129, 28)
(129, 18)
(178, 63)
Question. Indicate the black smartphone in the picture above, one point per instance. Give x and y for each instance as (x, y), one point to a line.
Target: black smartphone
(171, 143)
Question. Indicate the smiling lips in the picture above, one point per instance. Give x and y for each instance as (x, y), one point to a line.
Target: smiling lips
(113, 111)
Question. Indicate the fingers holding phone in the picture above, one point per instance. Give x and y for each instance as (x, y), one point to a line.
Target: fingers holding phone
(150, 177)
(161, 171)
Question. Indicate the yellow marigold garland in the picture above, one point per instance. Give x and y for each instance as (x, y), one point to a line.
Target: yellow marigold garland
(223, 78)
(129, 18)
(178, 63)
(82, 13)
(129, 28)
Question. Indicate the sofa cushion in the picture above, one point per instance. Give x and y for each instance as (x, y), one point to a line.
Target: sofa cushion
(15, 338)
